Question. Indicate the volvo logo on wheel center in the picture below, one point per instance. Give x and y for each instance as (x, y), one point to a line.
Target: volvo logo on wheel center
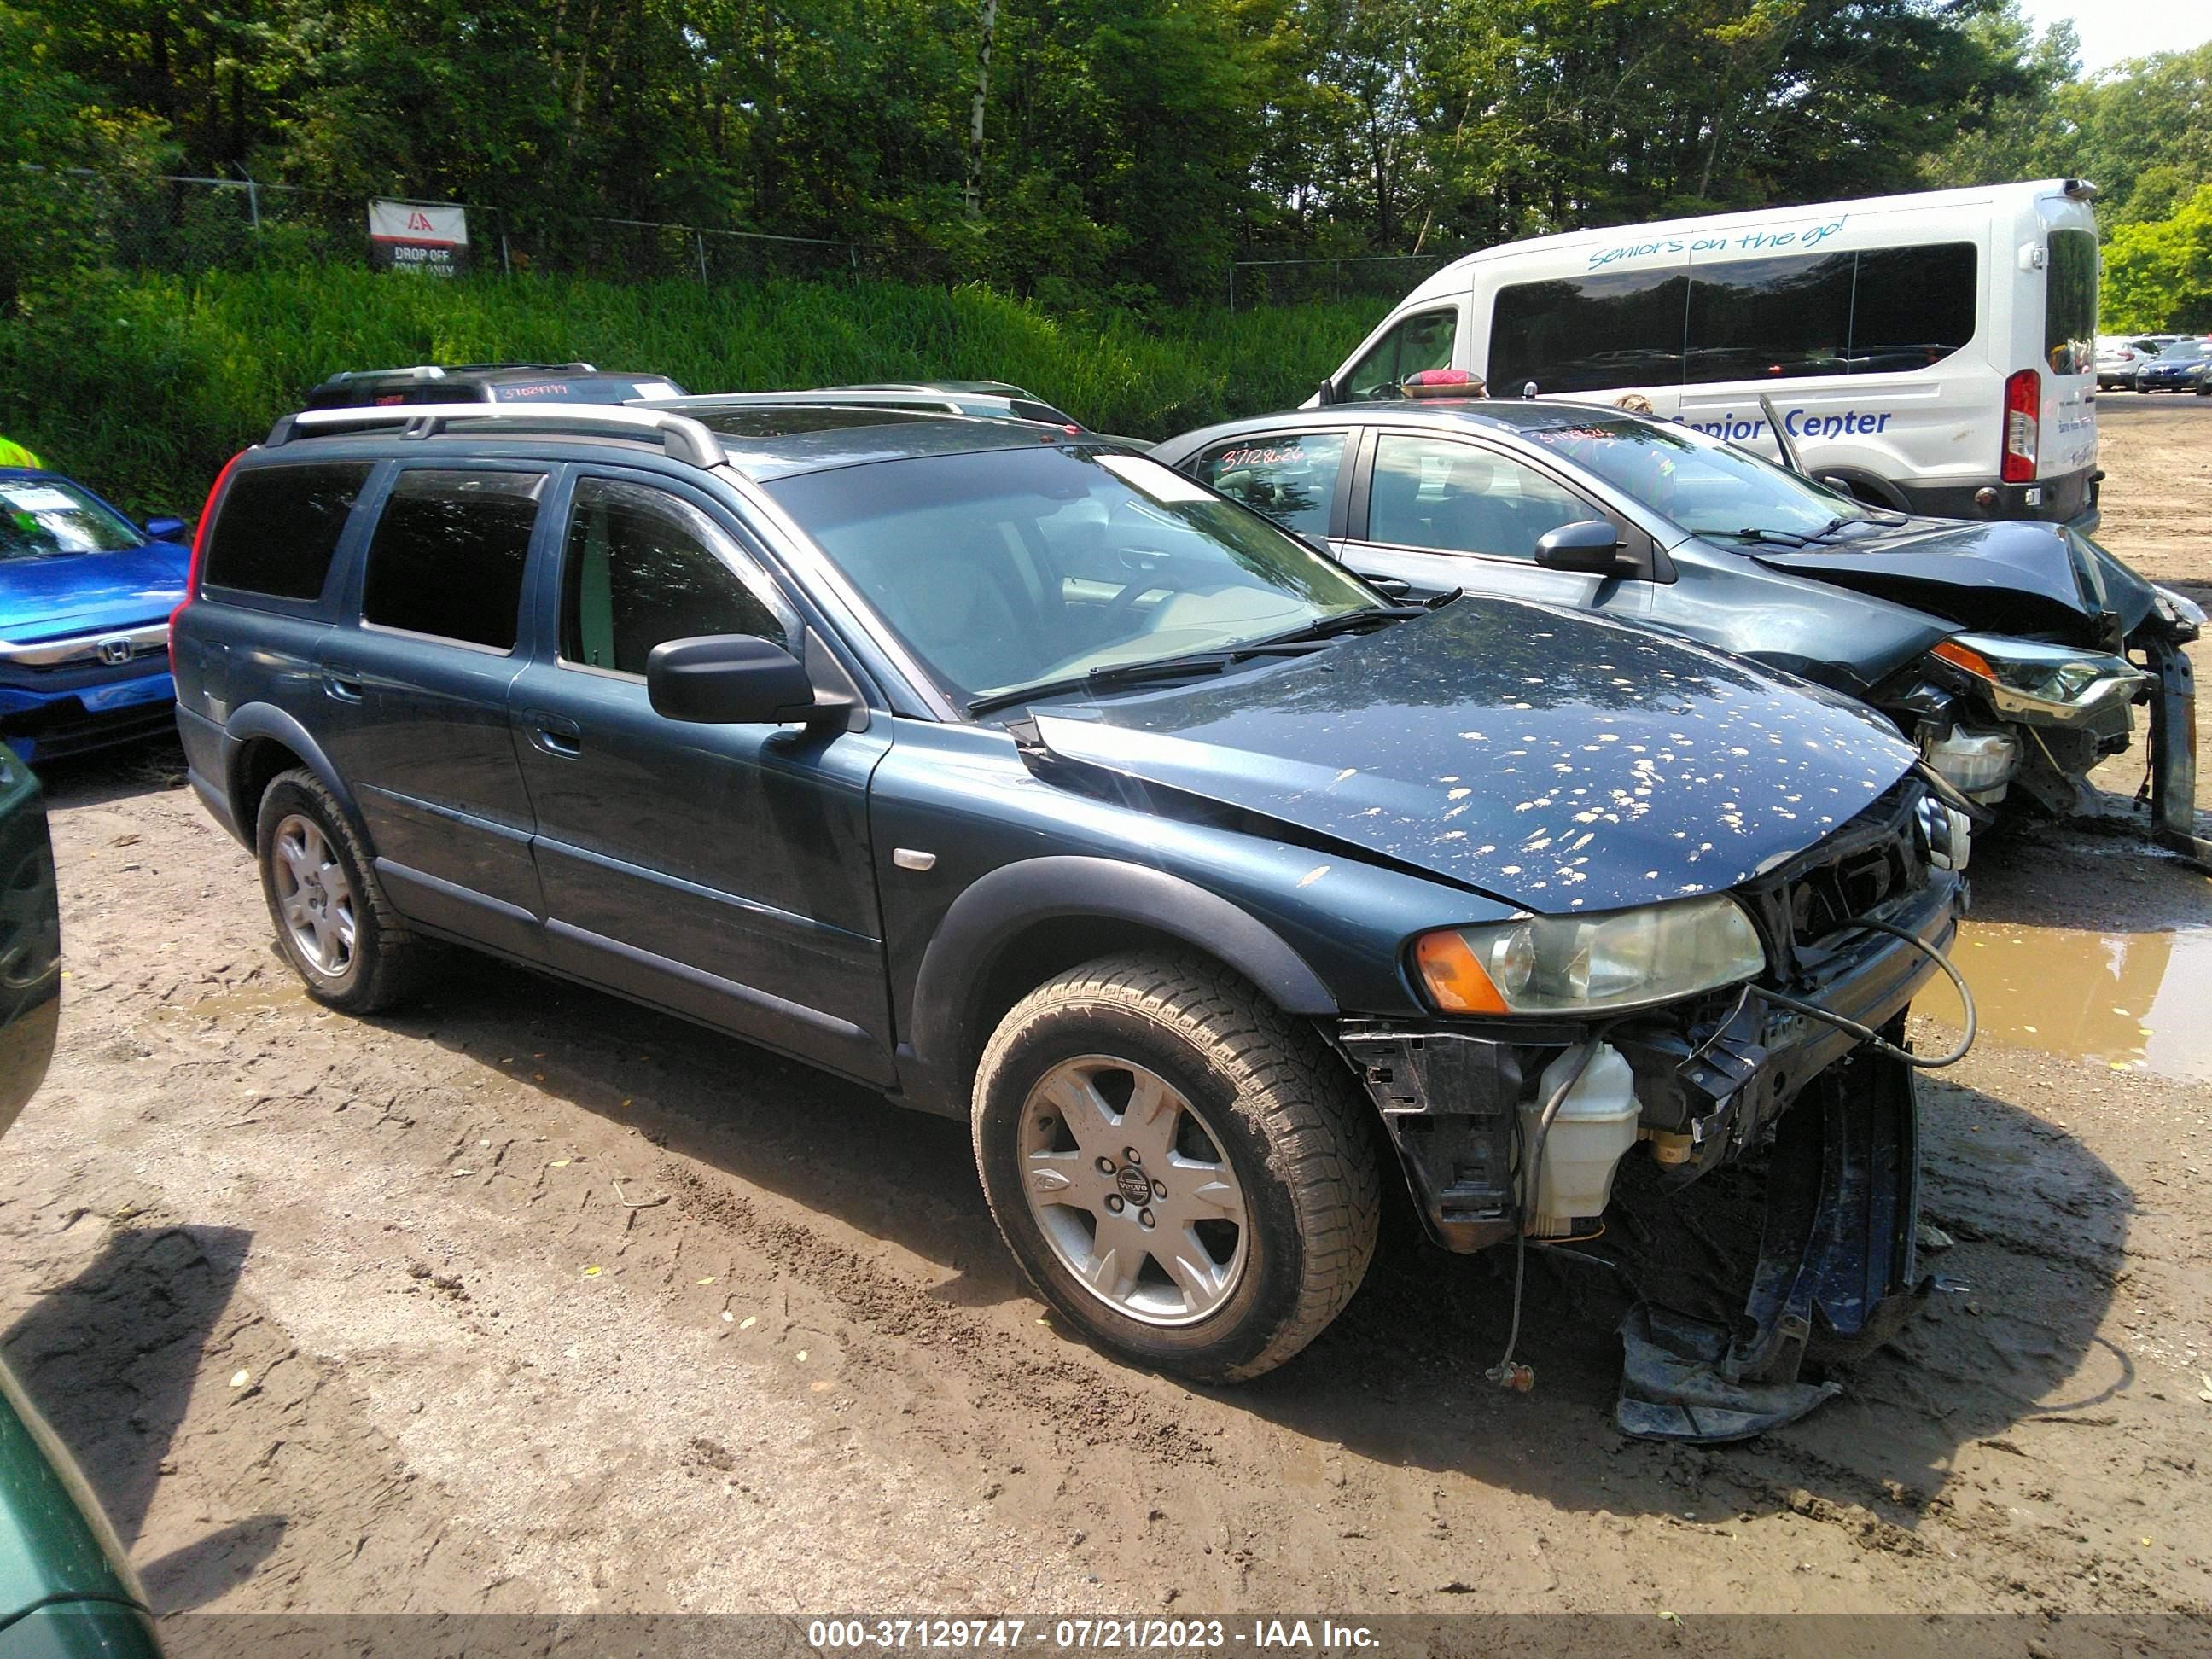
(1136, 1186)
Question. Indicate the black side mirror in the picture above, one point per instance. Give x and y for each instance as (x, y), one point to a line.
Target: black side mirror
(732, 679)
(164, 529)
(1589, 547)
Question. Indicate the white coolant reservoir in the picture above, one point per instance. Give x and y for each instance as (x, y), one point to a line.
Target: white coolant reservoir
(1594, 1129)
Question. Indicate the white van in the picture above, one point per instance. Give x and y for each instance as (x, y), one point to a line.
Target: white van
(1933, 353)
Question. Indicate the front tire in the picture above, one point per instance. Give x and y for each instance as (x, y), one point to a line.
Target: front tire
(1181, 1169)
(333, 922)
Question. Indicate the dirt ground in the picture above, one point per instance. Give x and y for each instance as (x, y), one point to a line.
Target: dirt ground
(534, 1301)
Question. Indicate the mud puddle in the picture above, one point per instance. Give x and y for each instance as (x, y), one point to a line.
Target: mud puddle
(2132, 1001)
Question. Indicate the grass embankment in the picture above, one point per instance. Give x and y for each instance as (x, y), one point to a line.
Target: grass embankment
(141, 386)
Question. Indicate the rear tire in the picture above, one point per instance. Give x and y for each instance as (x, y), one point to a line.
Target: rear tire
(333, 922)
(1181, 1169)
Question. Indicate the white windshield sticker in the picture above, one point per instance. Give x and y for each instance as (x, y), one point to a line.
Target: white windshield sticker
(1149, 478)
(39, 498)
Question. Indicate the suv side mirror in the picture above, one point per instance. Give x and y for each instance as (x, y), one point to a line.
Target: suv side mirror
(732, 679)
(165, 529)
(1591, 547)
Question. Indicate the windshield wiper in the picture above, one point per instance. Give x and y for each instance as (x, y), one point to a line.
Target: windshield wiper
(1765, 538)
(1327, 628)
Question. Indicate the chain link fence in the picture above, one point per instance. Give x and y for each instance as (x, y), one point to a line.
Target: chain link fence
(182, 222)
(1292, 281)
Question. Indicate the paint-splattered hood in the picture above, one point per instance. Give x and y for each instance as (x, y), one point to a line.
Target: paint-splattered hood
(1551, 759)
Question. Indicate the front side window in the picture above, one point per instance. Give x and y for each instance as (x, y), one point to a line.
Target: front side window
(1708, 488)
(641, 568)
(2070, 303)
(39, 517)
(278, 528)
(447, 557)
(1424, 340)
(1289, 477)
(1452, 497)
(1005, 569)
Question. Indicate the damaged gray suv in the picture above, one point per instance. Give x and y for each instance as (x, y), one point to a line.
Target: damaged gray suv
(1031, 783)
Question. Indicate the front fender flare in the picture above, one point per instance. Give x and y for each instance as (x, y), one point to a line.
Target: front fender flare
(994, 910)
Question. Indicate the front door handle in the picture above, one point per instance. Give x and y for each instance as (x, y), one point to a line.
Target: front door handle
(343, 683)
(556, 734)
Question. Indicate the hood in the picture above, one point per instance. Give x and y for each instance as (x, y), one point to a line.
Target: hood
(82, 592)
(2007, 577)
(1550, 760)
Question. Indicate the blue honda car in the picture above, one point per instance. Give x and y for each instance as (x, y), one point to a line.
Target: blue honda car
(85, 598)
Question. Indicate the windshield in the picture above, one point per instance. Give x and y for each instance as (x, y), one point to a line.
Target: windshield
(39, 517)
(1707, 488)
(1007, 568)
(2185, 349)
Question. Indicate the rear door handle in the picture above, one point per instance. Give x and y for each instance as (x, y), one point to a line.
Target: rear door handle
(343, 683)
(556, 734)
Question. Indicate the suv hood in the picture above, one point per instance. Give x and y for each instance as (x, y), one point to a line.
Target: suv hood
(2010, 576)
(67, 593)
(1550, 760)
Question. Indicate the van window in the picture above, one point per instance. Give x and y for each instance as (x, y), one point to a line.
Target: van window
(1424, 340)
(1290, 478)
(447, 555)
(2069, 303)
(279, 526)
(1912, 307)
(1780, 318)
(640, 569)
(1579, 333)
(1757, 320)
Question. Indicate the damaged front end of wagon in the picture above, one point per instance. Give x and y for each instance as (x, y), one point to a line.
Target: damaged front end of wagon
(1635, 899)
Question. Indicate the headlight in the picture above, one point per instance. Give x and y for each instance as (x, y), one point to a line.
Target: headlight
(1579, 964)
(2026, 677)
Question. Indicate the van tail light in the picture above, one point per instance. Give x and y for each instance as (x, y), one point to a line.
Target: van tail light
(199, 554)
(2023, 424)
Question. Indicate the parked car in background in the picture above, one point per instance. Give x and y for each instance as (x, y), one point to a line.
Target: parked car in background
(2012, 653)
(2117, 359)
(1932, 350)
(85, 597)
(2180, 366)
(1024, 780)
(501, 383)
(66, 1587)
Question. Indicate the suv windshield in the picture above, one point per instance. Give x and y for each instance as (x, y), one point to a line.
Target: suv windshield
(1707, 488)
(43, 516)
(1005, 569)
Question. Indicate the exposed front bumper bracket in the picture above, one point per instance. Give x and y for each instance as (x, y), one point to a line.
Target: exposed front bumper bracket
(2173, 754)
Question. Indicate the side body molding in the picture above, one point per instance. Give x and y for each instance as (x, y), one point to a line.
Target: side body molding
(1014, 898)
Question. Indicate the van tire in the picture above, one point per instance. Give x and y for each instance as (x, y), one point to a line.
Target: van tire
(334, 924)
(1269, 1101)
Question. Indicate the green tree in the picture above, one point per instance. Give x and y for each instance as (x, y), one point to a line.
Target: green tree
(2158, 273)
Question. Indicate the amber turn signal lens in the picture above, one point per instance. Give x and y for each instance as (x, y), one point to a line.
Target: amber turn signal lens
(1454, 978)
(1959, 656)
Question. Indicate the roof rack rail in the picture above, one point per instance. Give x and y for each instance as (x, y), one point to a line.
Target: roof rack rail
(440, 371)
(682, 437)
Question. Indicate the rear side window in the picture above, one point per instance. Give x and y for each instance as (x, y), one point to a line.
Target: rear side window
(2069, 303)
(279, 526)
(1779, 318)
(1290, 478)
(642, 568)
(447, 555)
